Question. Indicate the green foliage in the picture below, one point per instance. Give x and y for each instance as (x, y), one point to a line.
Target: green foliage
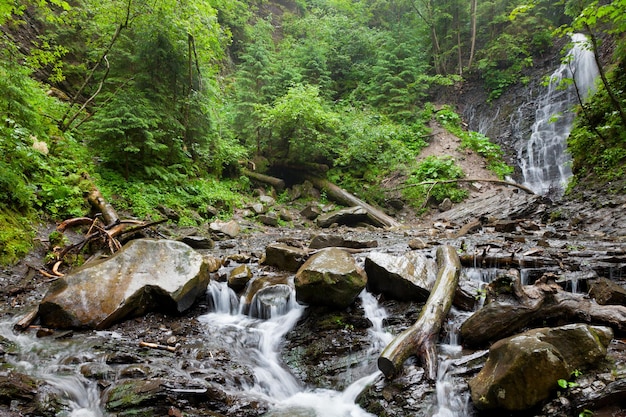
(434, 168)
(565, 384)
(142, 198)
(16, 235)
(597, 141)
(301, 126)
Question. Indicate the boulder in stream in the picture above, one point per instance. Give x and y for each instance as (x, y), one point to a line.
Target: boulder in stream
(524, 370)
(331, 277)
(285, 257)
(408, 277)
(145, 275)
(348, 216)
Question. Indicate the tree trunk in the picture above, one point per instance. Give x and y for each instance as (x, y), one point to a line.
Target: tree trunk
(342, 196)
(277, 183)
(617, 106)
(420, 339)
(535, 305)
(473, 12)
(97, 201)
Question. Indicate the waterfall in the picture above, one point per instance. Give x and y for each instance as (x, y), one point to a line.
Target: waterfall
(544, 161)
(43, 359)
(256, 342)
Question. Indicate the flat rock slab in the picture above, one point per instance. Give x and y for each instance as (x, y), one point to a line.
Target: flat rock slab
(146, 275)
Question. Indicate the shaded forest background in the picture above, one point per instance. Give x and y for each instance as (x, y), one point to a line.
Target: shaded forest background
(158, 103)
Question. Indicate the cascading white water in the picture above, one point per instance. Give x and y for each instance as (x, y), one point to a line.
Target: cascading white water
(544, 160)
(256, 342)
(80, 396)
(450, 401)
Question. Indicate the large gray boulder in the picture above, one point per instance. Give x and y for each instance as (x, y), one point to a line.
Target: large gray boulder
(285, 257)
(346, 216)
(331, 277)
(407, 277)
(524, 370)
(145, 275)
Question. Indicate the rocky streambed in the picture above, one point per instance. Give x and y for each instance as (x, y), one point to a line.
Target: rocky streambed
(191, 363)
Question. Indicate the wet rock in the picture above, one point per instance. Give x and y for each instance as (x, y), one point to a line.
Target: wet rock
(269, 219)
(239, 277)
(270, 301)
(331, 278)
(445, 205)
(467, 294)
(505, 226)
(261, 288)
(523, 370)
(285, 257)
(326, 241)
(606, 292)
(212, 263)
(284, 215)
(97, 370)
(417, 244)
(137, 397)
(198, 242)
(311, 212)
(267, 200)
(228, 229)
(257, 208)
(145, 275)
(15, 386)
(407, 277)
(498, 204)
(347, 216)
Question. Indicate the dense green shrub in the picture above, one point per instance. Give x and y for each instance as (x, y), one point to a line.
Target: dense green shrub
(431, 170)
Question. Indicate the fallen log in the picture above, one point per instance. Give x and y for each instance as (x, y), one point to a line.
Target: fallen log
(97, 201)
(343, 197)
(534, 306)
(421, 338)
(505, 260)
(277, 183)
(499, 182)
(27, 320)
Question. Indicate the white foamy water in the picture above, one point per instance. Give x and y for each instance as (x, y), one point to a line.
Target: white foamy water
(257, 343)
(544, 160)
(41, 359)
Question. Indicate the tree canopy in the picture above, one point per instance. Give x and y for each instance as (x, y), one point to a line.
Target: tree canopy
(170, 95)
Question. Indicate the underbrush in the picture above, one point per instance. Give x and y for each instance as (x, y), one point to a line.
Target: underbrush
(193, 199)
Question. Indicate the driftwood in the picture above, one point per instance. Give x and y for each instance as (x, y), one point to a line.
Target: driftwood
(345, 198)
(277, 183)
(157, 346)
(303, 167)
(27, 320)
(109, 215)
(505, 260)
(421, 338)
(106, 229)
(499, 182)
(535, 305)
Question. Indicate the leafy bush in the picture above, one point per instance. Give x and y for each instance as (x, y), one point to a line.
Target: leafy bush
(16, 235)
(142, 198)
(434, 169)
(597, 141)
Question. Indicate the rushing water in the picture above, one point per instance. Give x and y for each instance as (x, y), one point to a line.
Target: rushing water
(544, 161)
(256, 342)
(43, 360)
